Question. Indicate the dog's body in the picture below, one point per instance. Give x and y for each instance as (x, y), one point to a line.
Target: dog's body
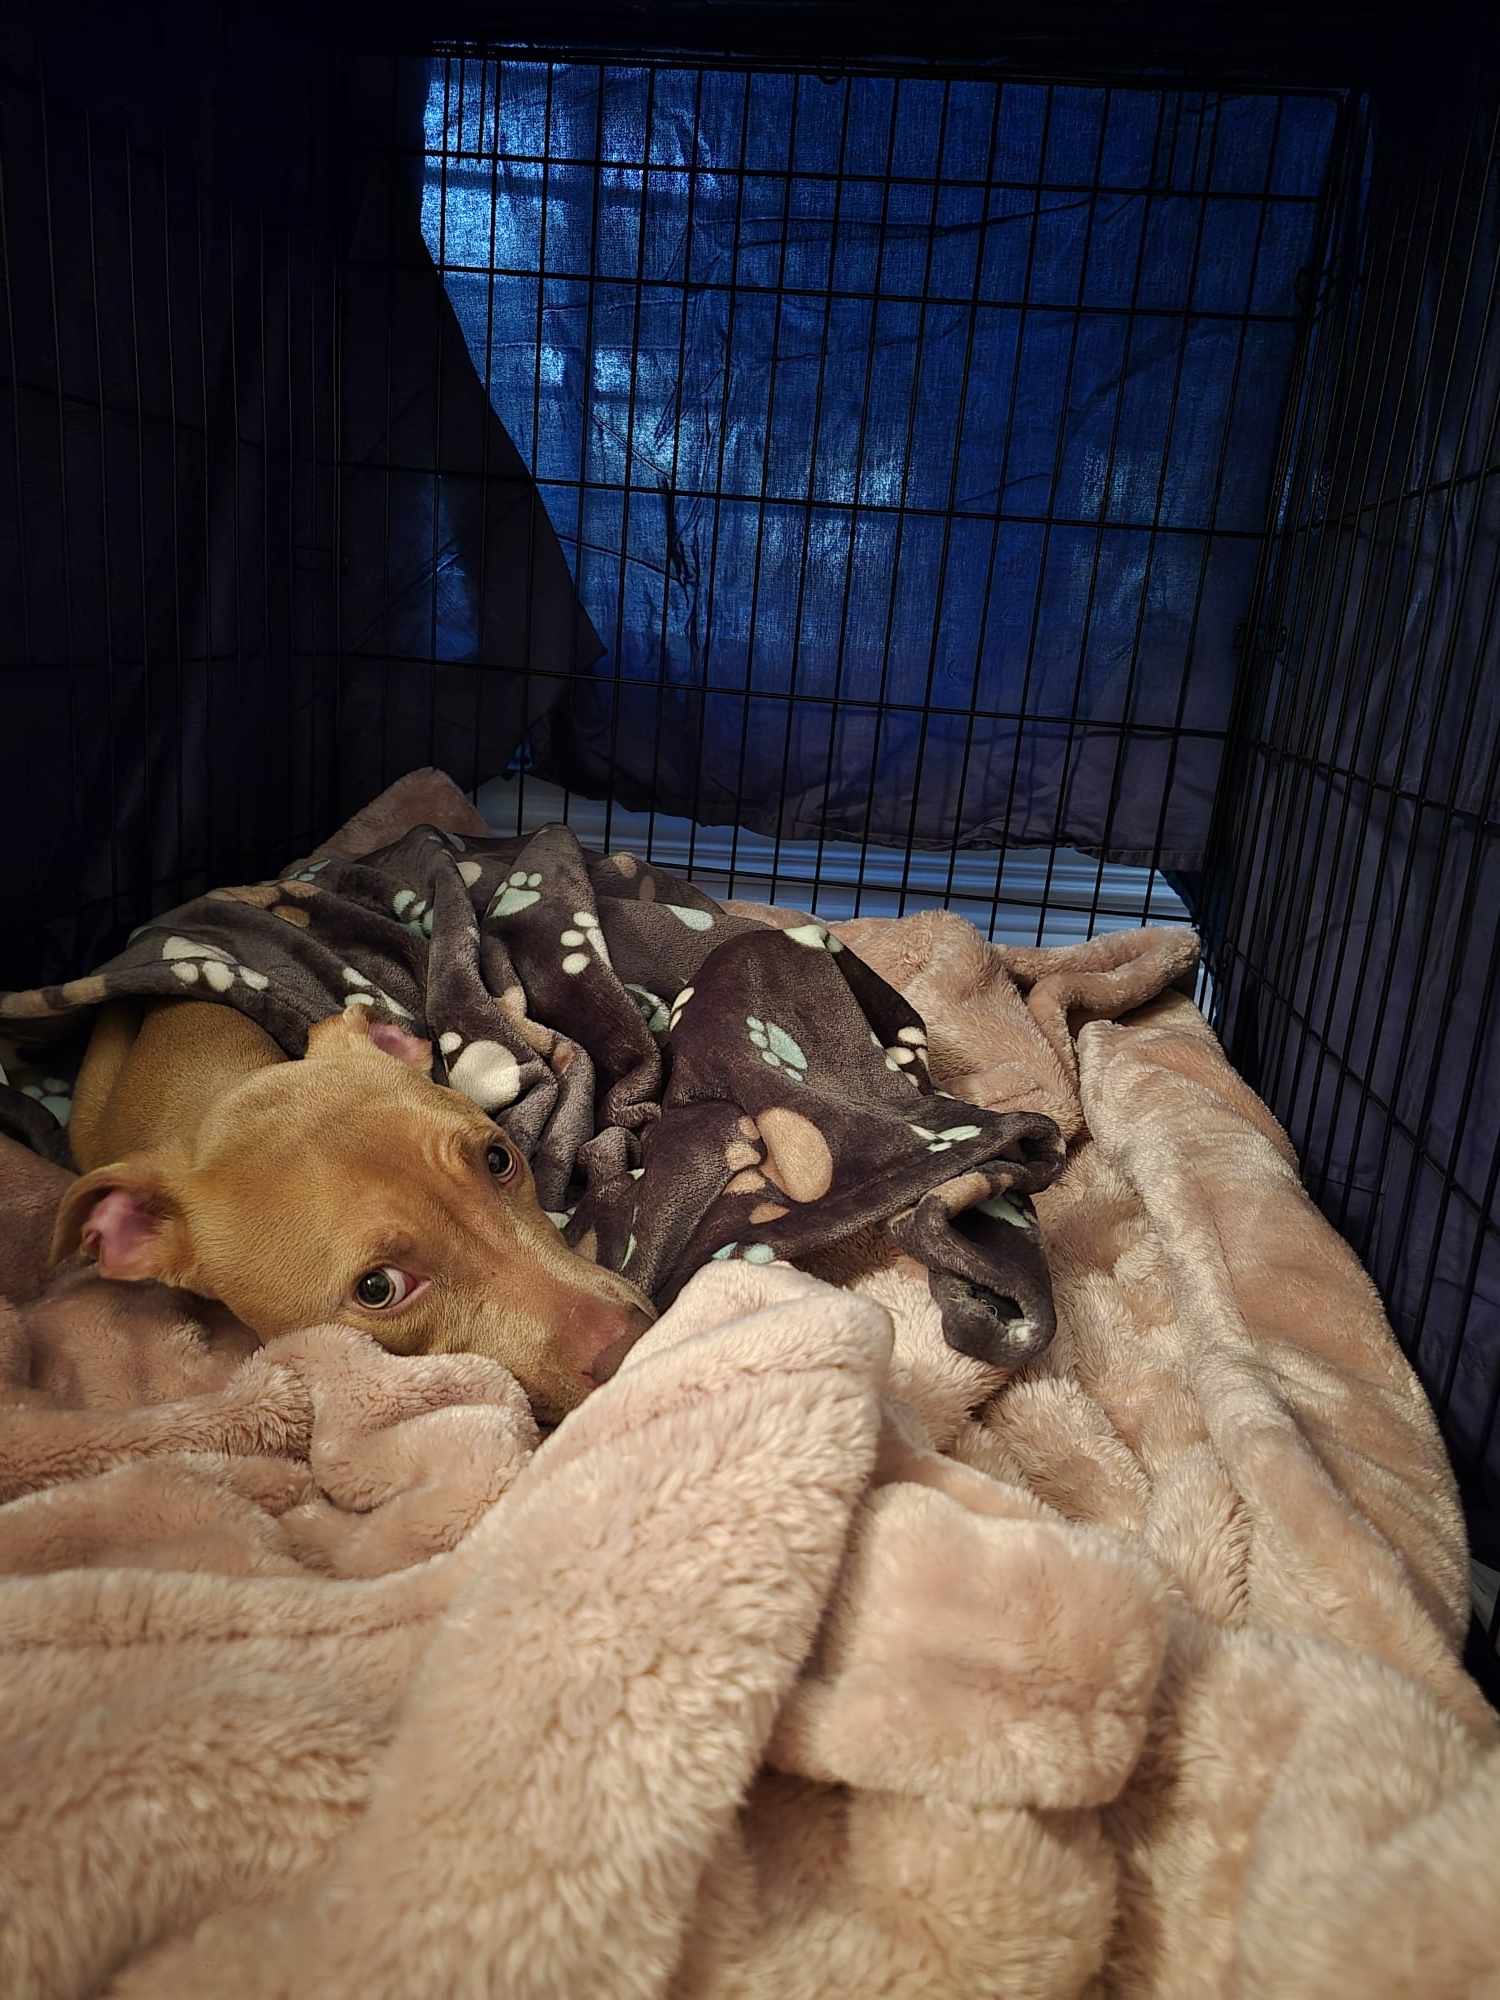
(343, 1187)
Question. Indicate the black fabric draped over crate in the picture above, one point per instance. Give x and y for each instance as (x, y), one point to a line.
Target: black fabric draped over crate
(1355, 874)
(263, 545)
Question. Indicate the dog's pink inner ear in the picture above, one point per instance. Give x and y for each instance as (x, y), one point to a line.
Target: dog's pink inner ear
(125, 1237)
(410, 1049)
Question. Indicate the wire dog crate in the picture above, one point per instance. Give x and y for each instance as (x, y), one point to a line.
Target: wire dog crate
(1065, 495)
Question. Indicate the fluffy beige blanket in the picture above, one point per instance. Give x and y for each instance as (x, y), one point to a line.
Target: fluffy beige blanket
(776, 1671)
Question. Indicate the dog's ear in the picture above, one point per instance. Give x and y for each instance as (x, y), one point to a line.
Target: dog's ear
(353, 1028)
(128, 1218)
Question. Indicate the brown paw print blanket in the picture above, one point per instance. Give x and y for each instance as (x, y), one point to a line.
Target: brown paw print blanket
(688, 1084)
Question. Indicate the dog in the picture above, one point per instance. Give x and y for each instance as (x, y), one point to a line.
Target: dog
(344, 1187)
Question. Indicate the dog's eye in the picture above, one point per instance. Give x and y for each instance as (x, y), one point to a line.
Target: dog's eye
(383, 1288)
(501, 1162)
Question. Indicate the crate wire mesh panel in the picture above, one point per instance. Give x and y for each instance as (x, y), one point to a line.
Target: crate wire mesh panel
(908, 438)
(1357, 950)
(873, 487)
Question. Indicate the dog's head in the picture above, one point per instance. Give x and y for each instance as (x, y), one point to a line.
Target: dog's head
(348, 1188)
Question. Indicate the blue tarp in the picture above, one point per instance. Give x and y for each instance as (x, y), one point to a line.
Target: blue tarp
(948, 409)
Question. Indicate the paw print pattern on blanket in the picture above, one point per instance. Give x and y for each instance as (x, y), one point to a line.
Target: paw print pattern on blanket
(53, 1093)
(192, 962)
(777, 1049)
(906, 1056)
(781, 1149)
(367, 994)
(582, 937)
(653, 1008)
(943, 1142)
(817, 937)
(743, 1156)
(518, 892)
(414, 912)
(486, 1072)
(1001, 1208)
(745, 1253)
(285, 899)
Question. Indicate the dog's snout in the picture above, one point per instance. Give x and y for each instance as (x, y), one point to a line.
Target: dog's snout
(629, 1323)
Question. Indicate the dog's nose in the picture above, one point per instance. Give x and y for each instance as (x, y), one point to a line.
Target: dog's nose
(631, 1324)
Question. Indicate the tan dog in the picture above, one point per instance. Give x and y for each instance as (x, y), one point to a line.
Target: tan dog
(346, 1187)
